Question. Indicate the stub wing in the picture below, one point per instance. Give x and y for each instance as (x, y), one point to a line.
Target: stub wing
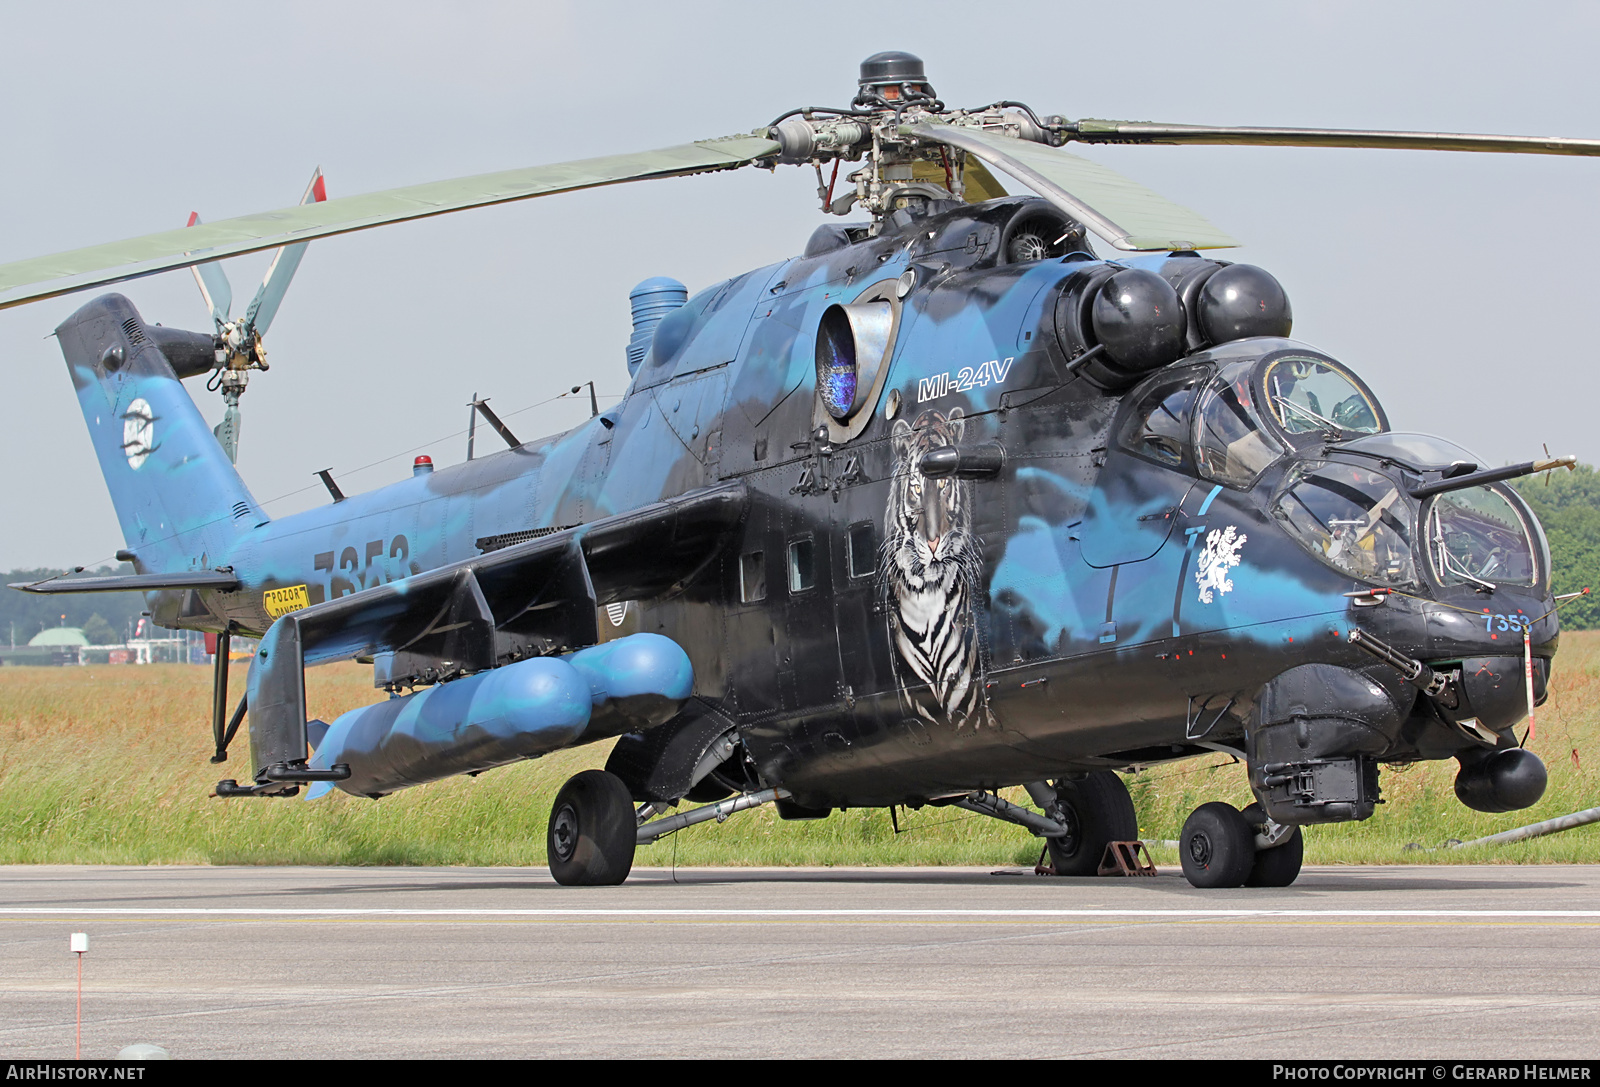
(528, 600)
(547, 588)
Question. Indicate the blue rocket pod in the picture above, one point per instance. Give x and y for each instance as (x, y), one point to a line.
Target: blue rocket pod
(635, 683)
(518, 711)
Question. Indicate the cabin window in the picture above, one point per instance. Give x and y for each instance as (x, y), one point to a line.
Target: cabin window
(802, 565)
(1158, 426)
(752, 577)
(1230, 445)
(863, 548)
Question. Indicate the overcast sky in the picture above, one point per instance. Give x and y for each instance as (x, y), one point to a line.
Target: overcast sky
(1460, 286)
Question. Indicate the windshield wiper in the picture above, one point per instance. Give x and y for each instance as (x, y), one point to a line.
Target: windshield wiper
(1333, 428)
(1448, 564)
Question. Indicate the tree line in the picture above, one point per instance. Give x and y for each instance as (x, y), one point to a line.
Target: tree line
(1568, 504)
(106, 618)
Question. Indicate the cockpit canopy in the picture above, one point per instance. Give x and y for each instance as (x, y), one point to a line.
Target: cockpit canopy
(1309, 395)
(1231, 422)
(1353, 517)
(1478, 537)
(1346, 498)
(1359, 520)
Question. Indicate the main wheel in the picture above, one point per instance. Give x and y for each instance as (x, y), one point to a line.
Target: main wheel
(1098, 810)
(592, 831)
(1279, 865)
(1217, 846)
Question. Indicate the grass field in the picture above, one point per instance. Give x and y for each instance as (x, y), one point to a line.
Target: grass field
(108, 765)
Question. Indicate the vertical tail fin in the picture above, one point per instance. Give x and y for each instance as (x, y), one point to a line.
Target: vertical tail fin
(179, 500)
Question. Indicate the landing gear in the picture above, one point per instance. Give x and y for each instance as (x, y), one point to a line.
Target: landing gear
(1080, 818)
(1279, 850)
(591, 837)
(1280, 865)
(1223, 847)
(1097, 809)
(1217, 847)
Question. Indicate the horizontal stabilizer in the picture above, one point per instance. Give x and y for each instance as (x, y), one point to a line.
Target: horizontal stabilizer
(132, 583)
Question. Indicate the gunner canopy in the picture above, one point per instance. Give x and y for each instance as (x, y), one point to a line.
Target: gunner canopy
(1355, 519)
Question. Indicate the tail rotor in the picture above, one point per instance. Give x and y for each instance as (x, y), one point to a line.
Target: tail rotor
(240, 345)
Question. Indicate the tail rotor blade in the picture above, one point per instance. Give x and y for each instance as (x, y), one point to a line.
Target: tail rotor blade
(213, 283)
(316, 192)
(264, 306)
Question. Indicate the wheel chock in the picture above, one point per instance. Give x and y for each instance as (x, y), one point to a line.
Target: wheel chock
(1126, 859)
(1041, 868)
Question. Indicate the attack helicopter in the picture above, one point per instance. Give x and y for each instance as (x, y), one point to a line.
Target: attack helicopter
(947, 504)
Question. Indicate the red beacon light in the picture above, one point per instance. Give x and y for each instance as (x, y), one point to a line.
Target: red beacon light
(422, 466)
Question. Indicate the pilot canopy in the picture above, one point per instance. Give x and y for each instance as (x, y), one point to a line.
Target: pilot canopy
(1230, 423)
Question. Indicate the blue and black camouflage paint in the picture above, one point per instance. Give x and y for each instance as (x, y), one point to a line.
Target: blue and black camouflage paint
(1093, 645)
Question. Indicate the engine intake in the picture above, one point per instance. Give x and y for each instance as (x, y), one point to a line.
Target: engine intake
(1240, 301)
(1133, 314)
(1143, 320)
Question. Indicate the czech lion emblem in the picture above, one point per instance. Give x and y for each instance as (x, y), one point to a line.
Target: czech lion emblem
(1220, 555)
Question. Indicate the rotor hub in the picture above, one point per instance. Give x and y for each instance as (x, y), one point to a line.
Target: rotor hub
(240, 348)
(893, 76)
(903, 170)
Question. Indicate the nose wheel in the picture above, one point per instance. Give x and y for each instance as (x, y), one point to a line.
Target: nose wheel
(1220, 847)
(591, 835)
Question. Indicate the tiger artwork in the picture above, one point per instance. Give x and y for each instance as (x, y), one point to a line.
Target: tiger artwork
(931, 567)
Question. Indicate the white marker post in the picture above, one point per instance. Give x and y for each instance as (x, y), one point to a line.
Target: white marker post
(1527, 672)
(78, 945)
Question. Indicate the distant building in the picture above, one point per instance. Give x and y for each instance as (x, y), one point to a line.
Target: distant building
(59, 636)
(69, 645)
(52, 645)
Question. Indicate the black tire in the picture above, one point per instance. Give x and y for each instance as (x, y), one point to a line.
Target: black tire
(1099, 810)
(1217, 846)
(591, 836)
(1280, 865)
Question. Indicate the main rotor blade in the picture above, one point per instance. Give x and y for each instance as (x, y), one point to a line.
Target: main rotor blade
(213, 284)
(1094, 131)
(1120, 210)
(80, 269)
(264, 306)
